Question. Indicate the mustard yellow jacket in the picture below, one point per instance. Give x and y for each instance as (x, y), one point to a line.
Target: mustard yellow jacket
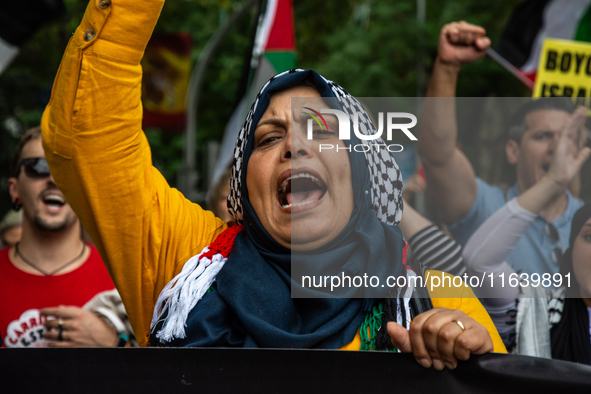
(101, 160)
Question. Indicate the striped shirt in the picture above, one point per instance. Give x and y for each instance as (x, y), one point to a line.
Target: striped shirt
(436, 251)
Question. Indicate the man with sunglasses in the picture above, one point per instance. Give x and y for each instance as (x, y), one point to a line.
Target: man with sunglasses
(464, 201)
(54, 289)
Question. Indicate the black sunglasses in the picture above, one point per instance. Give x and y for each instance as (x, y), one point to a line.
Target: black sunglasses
(556, 252)
(35, 167)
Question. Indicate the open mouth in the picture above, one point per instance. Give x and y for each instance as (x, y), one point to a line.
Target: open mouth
(300, 189)
(53, 201)
(546, 167)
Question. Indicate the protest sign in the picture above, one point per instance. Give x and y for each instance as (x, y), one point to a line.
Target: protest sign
(565, 70)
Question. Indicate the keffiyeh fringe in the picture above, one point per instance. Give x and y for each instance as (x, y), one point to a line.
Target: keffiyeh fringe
(182, 293)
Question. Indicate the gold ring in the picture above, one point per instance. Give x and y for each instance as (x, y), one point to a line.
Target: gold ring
(459, 323)
(60, 323)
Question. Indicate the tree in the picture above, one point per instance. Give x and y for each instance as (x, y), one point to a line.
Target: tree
(369, 47)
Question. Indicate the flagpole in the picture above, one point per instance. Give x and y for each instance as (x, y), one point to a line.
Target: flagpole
(419, 200)
(421, 74)
(187, 178)
(511, 68)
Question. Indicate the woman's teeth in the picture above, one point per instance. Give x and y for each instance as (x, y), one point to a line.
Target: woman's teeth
(297, 204)
(300, 175)
(300, 189)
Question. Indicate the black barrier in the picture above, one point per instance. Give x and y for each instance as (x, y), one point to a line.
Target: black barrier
(275, 371)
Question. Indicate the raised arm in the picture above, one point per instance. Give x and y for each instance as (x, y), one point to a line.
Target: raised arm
(491, 244)
(451, 183)
(100, 158)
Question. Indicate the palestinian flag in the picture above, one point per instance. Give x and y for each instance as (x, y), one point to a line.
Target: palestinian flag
(532, 22)
(274, 49)
(273, 52)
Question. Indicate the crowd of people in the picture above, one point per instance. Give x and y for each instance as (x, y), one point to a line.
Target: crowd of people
(518, 230)
(192, 277)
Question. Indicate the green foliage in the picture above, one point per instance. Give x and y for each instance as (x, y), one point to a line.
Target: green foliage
(370, 47)
(217, 97)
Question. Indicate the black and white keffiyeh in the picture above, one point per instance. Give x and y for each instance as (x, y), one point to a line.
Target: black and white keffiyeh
(176, 304)
(386, 178)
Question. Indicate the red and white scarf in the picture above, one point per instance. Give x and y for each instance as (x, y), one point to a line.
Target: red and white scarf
(182, 293)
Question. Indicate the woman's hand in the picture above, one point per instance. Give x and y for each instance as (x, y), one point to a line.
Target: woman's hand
(436, 337)
(80, 328)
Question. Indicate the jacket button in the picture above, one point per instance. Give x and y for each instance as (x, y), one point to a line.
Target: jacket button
(104, 3)
(89, 35)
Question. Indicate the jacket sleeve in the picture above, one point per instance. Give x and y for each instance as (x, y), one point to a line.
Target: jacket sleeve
(450, 294)
(100, 158)
(108, 306)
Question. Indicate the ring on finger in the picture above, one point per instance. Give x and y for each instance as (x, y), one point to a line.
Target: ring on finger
(60, 323)
(459, 323)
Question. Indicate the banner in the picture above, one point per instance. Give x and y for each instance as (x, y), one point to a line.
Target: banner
(206, 370)
(565, 70)
(167, 69)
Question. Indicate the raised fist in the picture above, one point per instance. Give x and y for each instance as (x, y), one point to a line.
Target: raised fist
(462, 43)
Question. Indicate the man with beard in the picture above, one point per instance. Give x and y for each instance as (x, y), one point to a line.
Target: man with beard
(461, 199)
(52, 267)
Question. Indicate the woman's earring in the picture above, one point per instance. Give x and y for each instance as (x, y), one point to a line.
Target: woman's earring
(15, 204)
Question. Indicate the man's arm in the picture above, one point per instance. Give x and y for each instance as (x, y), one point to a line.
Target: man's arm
(100, 158)
(451, 182)
(490, 245)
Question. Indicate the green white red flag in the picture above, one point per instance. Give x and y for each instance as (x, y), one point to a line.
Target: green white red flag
(535, 20)
(274, 51)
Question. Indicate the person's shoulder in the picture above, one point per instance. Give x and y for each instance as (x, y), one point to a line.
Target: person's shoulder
(563, 223)
(491, 191)
(94, 265)
(4, 258)
(489, 199)
(94, 254)
(94, 258)
(573, 205)
(4, 253)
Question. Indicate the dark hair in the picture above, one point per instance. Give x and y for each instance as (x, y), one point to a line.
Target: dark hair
(30, 135)
(566, 264)
(306, 82)
(518, 127)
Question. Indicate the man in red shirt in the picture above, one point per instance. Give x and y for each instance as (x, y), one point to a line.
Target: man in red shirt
(51, 267)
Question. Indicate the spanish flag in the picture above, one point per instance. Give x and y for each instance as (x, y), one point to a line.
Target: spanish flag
(167, 69)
